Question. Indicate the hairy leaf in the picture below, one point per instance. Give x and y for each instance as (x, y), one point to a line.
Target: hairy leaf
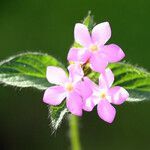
(136, 80)
(27, 70)
(56, 114)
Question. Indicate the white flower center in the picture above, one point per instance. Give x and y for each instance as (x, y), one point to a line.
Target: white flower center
(104, 95)
(69, 86)
(101, 94)
(93, 48)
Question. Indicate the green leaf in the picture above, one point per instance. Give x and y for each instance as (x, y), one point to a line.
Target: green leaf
(135, 79)
(56, 114)
(27, 70)
(89, 21)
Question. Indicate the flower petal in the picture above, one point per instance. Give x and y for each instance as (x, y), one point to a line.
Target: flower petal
(114, 53)
(54, 95)
(98, 62)
(88, 104)
(106, 111)
(101, 33)
(75, 72)
(56, 75)
(118, 95)
(84, 56)
(85, 88)
(73, 54)
(74, 103)
(82, 35)
(106, 79)
(78, 55)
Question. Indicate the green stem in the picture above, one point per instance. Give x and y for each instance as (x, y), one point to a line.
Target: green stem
(74, 133)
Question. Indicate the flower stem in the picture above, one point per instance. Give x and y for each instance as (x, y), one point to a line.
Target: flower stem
(74, 133)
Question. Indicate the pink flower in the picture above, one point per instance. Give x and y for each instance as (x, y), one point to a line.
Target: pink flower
(65, 88)
(93, 49)
(103, 96)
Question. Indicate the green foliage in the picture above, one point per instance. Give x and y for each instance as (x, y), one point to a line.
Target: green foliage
(136, 80)
(27, 70)
(131, 77)
(56, 114)
(89, 21)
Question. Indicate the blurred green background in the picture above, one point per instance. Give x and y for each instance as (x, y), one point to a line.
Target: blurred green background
(47, 26)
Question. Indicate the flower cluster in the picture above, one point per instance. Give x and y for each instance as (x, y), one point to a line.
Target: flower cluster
(79, 91)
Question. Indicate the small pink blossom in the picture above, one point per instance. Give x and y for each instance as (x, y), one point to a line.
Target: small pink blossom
(94, 51)
(66, 87)
(103, 96)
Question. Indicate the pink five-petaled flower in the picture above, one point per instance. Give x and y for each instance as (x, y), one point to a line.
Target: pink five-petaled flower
(103, 96)
(66, 87)
(93, 49)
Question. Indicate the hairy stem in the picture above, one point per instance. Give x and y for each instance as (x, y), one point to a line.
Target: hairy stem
(74, 133)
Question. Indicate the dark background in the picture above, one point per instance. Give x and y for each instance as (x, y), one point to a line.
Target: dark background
(47, 26)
